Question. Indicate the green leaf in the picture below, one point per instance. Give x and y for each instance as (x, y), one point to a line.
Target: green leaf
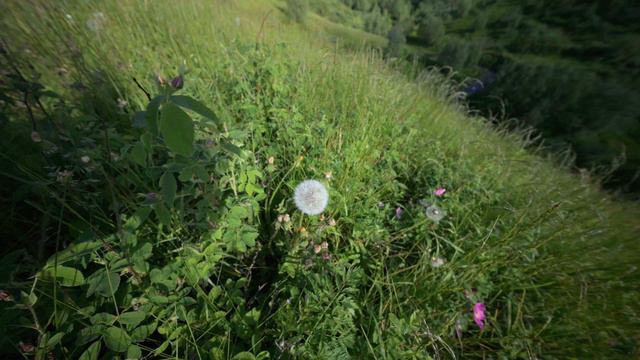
(54, 340)
(169, 188)
(138, 154)
(177, 129)
(138, 119)
(137, 219)
(75, 251)
(134, 352)
(116, 339)
(103, 318)
(103, 283)
(231, 148)
(132, 318)
(249, 238)
(195, 106)
(88, 334)
(92, 352)
(158, 299)
(244, 356)
(66, 276)
(163, 214)
(143, 332)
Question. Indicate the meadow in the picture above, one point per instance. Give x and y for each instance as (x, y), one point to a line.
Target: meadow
(151, 156)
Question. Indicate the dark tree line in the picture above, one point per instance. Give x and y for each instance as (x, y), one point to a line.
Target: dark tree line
(570, 68)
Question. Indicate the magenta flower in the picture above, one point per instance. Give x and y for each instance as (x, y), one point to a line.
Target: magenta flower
(399, 212)
(479, 315)
(439, 191)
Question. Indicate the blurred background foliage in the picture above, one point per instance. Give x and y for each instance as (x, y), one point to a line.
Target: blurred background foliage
(568, 68)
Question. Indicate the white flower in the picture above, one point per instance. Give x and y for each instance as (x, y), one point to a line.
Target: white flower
(95, 22)
(85, 159)
(311, 197)
(437, 262)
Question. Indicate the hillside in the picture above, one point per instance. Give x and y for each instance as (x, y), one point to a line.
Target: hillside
(569, 68)
(151, 158)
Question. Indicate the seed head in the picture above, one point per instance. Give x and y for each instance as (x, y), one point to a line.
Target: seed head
(311, 197)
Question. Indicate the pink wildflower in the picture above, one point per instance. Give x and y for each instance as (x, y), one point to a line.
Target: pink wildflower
(26, 348)
(35, 137)
(479, 315)
(399, 212)
(439, 191)
(5, 296)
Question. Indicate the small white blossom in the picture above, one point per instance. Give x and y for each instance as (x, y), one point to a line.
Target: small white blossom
(85, 159)
(311, 197)
(436, 262)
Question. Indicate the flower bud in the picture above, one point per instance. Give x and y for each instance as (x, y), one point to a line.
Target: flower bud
(177, 82)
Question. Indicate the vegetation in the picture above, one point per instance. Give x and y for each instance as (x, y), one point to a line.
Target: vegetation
(150, 158)
(570, 69)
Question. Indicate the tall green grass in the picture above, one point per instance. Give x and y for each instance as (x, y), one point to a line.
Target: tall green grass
(552, 257)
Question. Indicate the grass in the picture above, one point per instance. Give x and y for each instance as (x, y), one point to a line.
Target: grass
(551, 256)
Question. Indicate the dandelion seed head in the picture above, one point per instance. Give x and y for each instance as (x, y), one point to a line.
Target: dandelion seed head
(434, 213)
(311, 197)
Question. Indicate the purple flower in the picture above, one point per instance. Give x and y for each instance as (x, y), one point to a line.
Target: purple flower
(399, 212)
(177, 82)
(439, 191)
(479, 315)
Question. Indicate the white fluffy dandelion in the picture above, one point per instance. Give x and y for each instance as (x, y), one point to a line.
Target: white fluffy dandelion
(434, 213)
(311, 197)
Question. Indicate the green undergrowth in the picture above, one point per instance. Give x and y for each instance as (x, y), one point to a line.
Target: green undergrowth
(146, 217)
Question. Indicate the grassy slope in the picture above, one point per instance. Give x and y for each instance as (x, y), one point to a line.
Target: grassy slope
(549, 253)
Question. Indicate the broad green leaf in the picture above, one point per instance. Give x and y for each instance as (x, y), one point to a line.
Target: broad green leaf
(231, 148)
(159, 300)
(103, 283)
(195, 106)
(132, 318)
(116, 339)
(177, 129)
(163, 214)
(138, 119)
(74, 251)
(244, 356)
(169, 187)
(142, 332)
(54, 340)
(92, 352)
(88, 334)
(134, 352)
(137, 219)
(249, 238)
(198, 170)
(138, 154)
(66, 276)
(103, 318)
